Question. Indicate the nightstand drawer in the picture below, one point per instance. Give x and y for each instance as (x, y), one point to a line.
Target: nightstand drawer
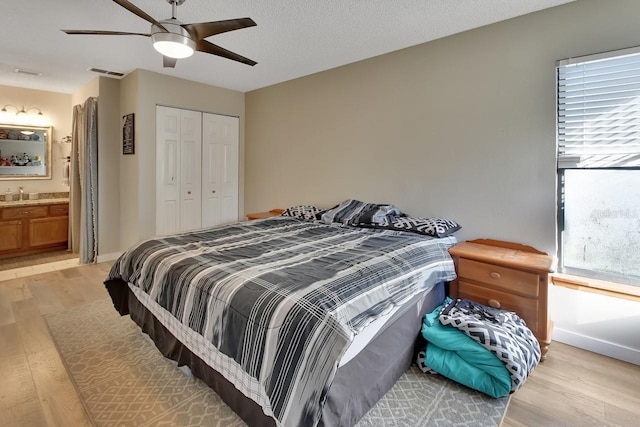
(511, 280)
(526, 308)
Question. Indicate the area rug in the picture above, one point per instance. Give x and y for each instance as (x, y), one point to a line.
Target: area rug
(123, 380)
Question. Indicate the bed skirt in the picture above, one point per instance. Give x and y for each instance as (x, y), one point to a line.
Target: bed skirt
(357, 386)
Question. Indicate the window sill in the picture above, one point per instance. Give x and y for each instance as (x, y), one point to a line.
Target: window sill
(597, 286)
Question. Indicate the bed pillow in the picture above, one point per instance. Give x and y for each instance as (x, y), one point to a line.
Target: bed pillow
(435, 227)
(375, 214)
(355, 212)
(303, 212)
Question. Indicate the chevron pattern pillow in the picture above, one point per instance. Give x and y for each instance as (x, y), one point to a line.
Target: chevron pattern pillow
(303, 212)
(435, 227)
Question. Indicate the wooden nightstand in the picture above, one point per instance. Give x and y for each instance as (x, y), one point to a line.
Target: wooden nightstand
(261, 215)
(506, 275)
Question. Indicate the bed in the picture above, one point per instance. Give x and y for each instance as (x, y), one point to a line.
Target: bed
(292, 323)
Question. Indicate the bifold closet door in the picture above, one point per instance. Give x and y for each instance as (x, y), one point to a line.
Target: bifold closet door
(178, 174)
(220, 146)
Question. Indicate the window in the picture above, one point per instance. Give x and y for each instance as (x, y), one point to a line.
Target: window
(598, 125)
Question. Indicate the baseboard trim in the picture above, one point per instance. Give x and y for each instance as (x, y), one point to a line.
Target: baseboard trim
(606, 348)
(108, 257)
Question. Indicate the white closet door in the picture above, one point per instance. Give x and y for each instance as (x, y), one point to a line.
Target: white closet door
(178, 175)
(220, 146)
(190, 169)
(168, 170)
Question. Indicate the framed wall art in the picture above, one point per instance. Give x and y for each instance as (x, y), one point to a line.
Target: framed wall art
(128, 134)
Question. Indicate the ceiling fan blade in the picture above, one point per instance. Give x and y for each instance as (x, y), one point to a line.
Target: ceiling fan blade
(205, 29)
(137, 11)
(169, 62)
(104, 33)
(205, 46)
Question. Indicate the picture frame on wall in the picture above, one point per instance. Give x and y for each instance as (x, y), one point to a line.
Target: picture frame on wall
(128, 134)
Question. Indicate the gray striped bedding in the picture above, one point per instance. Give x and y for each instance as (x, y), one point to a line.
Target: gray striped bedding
(273, 304)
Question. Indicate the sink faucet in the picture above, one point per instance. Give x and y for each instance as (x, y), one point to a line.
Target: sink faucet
(21, 193)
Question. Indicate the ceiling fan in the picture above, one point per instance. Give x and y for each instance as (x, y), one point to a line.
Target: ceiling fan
(175, 40)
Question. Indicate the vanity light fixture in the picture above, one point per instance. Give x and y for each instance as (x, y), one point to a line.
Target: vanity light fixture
(22, 110)
(24, 116)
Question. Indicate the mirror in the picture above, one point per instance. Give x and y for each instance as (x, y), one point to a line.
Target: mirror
(25, 152)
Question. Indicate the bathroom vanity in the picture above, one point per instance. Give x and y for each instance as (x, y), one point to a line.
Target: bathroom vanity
(33, 226)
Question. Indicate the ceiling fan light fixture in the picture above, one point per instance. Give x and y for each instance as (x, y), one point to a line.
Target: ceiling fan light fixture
(173, 45)
(175, 40)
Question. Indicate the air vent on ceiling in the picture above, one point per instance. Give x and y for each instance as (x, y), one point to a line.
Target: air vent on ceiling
(107, 73)
(27, 72)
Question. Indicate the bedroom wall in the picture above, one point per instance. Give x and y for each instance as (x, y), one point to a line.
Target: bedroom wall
(462, 127)
(109, 151)
(145, 90)
(128, 219)
(57, 109)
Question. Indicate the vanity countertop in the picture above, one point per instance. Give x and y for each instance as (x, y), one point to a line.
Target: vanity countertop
(20, 203)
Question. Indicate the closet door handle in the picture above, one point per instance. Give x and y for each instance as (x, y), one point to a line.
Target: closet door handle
(213, 191)
(188, 192)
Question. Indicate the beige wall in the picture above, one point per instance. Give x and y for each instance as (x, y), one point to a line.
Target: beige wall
(462, 127)
(150, 89)
(57, 109)
(109, 151)
(91, 89)
(129, 178)
(433, 129)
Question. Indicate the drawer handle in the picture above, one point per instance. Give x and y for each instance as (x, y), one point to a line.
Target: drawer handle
(26, 212)
(493, 303)
(59, 209)
(494, 275)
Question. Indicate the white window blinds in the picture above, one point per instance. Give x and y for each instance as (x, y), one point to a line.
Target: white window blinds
(599, 111)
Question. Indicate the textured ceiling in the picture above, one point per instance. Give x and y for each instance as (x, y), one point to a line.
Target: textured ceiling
(292, 39)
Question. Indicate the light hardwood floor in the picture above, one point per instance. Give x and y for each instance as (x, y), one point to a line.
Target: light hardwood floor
(572, 387)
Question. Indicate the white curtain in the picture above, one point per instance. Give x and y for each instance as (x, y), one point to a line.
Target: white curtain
(84, 182)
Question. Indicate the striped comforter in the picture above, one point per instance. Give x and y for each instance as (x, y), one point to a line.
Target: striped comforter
(273, 304)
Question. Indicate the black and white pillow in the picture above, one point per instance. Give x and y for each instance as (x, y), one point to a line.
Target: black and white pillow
(357, 213)
(303, 212)
(436, 227)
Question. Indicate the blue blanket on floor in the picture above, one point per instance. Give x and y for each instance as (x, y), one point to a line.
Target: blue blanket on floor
(485, 348)
(502, 332)
(453, 354)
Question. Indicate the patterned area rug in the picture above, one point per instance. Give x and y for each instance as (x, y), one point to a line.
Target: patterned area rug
(124, 381)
